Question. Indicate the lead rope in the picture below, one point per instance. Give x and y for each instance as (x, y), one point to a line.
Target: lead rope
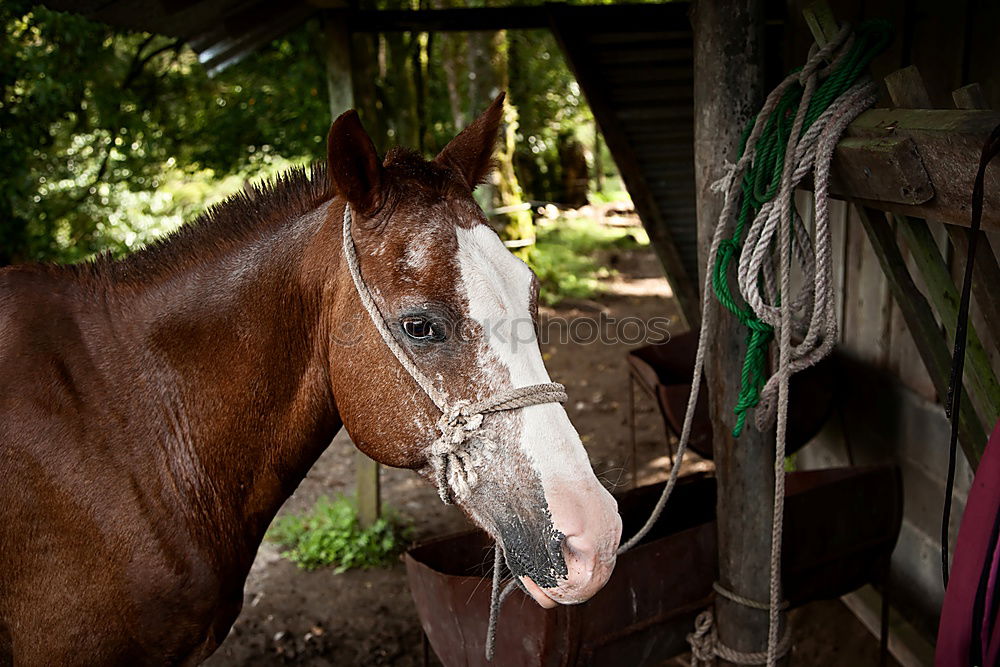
(452, 458)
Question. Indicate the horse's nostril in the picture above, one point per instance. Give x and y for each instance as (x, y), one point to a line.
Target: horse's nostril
(579, 553)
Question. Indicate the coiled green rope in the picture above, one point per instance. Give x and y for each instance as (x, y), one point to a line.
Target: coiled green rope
(760, 184)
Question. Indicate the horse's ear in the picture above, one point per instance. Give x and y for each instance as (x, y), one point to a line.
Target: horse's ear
(470, 154)
(355, 170)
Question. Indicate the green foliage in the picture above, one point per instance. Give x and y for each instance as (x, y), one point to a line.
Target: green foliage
(614, 191)
(330, 534)
(93, 123)
(110, 139)
(551, 110)
(566, 255)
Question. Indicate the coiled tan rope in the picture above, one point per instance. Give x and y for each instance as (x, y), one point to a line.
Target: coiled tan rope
(706, 647)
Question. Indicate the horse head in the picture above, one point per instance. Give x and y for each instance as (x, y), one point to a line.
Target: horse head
(461, 313)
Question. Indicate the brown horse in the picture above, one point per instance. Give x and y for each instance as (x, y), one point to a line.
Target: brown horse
(157, 411)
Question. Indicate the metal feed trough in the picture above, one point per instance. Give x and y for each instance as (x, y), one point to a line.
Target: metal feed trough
(840, 524)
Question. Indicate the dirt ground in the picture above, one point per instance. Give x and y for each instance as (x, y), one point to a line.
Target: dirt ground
(292, 616)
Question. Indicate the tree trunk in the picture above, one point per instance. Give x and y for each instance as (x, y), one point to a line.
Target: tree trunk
(487, 60)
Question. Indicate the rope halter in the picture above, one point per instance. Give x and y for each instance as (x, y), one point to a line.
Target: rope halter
(459, 450)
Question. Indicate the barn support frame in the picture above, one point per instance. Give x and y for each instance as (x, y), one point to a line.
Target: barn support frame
(340, 86)
(728, 88)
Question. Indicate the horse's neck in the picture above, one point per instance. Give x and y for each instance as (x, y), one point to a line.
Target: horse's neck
(234, 370)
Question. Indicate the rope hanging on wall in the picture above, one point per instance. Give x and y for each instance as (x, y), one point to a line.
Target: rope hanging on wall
(792, 137)
(791, 117)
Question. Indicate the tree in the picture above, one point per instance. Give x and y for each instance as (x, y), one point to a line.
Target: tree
(91, 121)
(111, 138)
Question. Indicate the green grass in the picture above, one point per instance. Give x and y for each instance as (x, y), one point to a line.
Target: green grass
(564, 255)
(330, 535)
(614, 191)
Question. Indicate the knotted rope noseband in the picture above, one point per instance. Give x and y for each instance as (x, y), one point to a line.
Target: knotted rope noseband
(458, 450)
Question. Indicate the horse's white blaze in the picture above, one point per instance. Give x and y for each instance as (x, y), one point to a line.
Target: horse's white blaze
(498, 288)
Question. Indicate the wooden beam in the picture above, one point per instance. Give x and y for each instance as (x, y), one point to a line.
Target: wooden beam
(920, 320)
(624, 17)
(239, 36)
(579, 57)
(728, 84)
(947, 143)
(889, 170)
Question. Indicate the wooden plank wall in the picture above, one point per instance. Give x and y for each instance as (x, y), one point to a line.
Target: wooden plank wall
(889, 410)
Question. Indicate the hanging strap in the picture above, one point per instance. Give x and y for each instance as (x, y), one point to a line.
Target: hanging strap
(954, 400)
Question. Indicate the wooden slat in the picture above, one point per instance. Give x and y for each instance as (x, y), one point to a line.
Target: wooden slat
(659, 113)
(672, 93)
(633, 54)
(938, 48)
(907, 88)
(970, 97)
(948, 143)
(638, 37)
(669, 171)
(986, 287)
(620, 17)
(983, 389)
(920, 320)
(650, 76)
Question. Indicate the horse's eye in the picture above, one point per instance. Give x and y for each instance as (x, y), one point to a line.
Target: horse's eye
(419, 328)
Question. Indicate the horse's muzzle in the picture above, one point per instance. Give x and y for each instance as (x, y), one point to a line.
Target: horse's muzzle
(592, 527)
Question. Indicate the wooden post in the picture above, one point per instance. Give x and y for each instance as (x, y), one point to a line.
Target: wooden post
(340, 86)
(339, 80)
(728, 89)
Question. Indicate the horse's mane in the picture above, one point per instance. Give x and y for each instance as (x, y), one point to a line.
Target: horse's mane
(250, 214)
